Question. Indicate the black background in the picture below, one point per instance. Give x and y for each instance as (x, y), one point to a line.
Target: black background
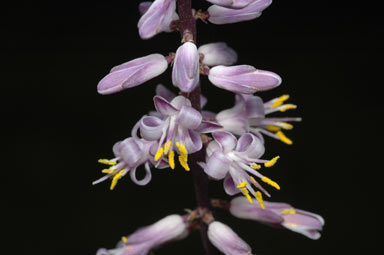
(56, 126)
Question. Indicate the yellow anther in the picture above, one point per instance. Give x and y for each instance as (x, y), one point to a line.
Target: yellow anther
(246, 194)
(286, 125)
(107, 171)
(107, 162)
(184, 163)
(253, 179)
(289, 211)
(287, 107)
(255, 166)
(159, 153)
(272, 162)
(167, 146)
(242, 185)
(124, 239)
(182, 149)
(116, 178)
(283, 138)
(270, 182)
(259, 198)
(273, 128)
(171, 159)
(279, 101)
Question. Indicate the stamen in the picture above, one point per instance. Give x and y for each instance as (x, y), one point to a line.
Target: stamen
(184, 163)
(183, 158)
(124, 239)
(287, 107)
(107, 162)
(279, 101)
(182, 148)
(255, 166)
(116, 178)
(286, 125)
(259, 198)
(242, 185)
(289, 211)
(171, 159)
(283, 138)
(272, 162)
(159, 153)
(167, 146)
(107, 170)
(270, 182)
(273, 128)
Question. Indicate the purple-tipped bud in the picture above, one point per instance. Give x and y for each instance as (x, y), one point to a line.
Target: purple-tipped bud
(221, 15)
(186, 67)
(217, 54)
(132, 73)
(243, 79)
(226, 240)
(143, 240)
(144, 6)
(279, 214)
(235, 4)
(157, 18)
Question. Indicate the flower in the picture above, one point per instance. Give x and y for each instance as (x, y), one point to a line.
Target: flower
(168, 95)
(157, 18)
(214, 54)
(168, 229)
(231, 159)
(279, 214)
(243, 79)
(249, 115)
(186, 67)
(177, 124)
(132, 73)
(235, 4)
(130, 154)
(220, 15)
(226, 240)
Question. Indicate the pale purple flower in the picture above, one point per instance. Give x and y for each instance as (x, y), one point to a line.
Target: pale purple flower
(179, 125)
(279, 214)
(186, 67)
(235, 4)
(132, 73)
(243, 79)
(234, 160)
(226, 240)
(170, 228)
(168, 95)
(129, 155)
(219, 53)
(157, 18)
(249, 115)
(221, 15)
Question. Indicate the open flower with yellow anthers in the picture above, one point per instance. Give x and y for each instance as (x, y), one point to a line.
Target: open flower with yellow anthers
(279, 214)
(249, 115)
(129, 155)
(177, 129)
(234, 160)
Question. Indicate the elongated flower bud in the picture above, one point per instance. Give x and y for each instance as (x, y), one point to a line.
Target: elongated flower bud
(217, 54)
(186, 67)
(235, 4)
(279, 214)
(132, 73)
(243, 79)
(220, 15)
(157, 18)
(226, 240)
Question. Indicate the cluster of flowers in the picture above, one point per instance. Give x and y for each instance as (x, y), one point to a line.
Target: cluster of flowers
(234, 137)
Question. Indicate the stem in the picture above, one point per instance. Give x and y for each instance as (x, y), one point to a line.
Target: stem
(187, 28)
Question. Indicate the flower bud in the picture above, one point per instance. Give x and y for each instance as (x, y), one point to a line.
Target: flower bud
(186, 67)
(235, 4)
(226, 240)
(144, 6)
(279, 214)
(132, 73)
(243, 79)
(217, 54)
(220, 15)
(157, 18)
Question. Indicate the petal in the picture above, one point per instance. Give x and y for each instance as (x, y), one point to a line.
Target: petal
(234, 119)
(130, 151)
(179, 101)
(217, 166)
(303, 220)
(116, 149)
(208, 127)
(151, 128)
(144, 6)
(250, 146)
(212, 147)
(229, 186)
(186, 67)
(217, 54)
(163, 106)
(235, 4)
(226, 140)
(192, 140)
(207, 115)
(203, 101)
(254, 107)
(188, 117)
(165, 93)
(147, 178)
